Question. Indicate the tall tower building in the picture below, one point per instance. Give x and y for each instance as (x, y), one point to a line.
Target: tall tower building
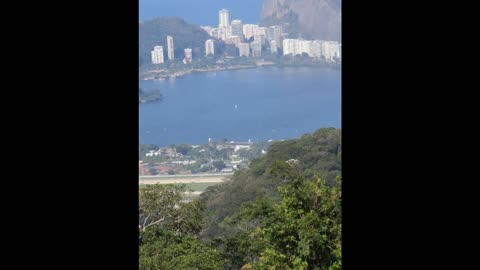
(273, 47)
(249, 30)
(157, 55)
(259, 38)
(188, 55)
(223, 18)
(277, 35)
(316, 48)
(170, 48)
(256, 48)
(209, 48)
(290, 47)
(237, 28)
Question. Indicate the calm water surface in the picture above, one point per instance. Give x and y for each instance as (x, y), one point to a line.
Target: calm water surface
(257, 104)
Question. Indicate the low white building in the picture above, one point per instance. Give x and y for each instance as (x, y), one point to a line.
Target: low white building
(238, 147)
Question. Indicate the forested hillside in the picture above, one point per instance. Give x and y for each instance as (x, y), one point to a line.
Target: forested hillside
(314, 154)
(154, 33)
(284, 212)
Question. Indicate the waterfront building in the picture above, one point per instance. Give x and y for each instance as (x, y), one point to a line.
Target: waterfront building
(209, 48)
(157, 55)
(188, 55)
(170, 49)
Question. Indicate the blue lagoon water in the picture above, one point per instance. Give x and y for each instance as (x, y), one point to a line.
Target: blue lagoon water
(257, 104)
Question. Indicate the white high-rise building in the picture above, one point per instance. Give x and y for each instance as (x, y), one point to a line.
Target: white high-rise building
(316, 48)
(290, 46)
(157, 55)
(259, 38)
(237, 28)
(170, 48)
(330, 49)
(256, 49)
(209, 48)
(249, 30)
(305, 47)
(277, 34)
(244, 49)
(269, 33)
(188, 55)
(223, 18)
(233, 40)
(273, 47)
(222, 33)
(261, 31)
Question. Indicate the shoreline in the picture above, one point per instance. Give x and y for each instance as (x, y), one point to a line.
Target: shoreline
(256, 65)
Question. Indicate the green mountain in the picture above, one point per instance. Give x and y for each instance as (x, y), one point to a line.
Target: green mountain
(154, 33)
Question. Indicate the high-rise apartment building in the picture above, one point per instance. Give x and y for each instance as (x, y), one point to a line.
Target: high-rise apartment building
(223, 18)
(290, 46)
(157, 55)
(256, 49)
(188, 55)
(209, 48)
(259, 38)
(170, 49)
(273, 47)
(305, 47)
(237, 28)
(277, 34)
(249, 30)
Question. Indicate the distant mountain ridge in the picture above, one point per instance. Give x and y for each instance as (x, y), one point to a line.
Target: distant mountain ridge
(154, 32)
(317, 19)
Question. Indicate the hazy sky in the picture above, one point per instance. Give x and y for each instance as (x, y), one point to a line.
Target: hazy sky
(202, 12)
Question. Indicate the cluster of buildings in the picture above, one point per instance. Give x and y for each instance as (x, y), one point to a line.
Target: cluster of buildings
(248, 38)
(179, 163)
(329, 50)
(157, 53)
(251, 40)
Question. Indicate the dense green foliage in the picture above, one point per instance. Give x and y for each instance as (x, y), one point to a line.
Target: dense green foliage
(168, 229)
(149, 95)
(154, 33)
(316, 154)
(145, 148)
(283, 212)
(302, 231)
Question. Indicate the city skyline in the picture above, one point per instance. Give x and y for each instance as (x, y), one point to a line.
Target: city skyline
(265, 40)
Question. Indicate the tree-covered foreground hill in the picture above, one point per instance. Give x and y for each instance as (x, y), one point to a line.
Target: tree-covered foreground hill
(282, 213)
(318, 154)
